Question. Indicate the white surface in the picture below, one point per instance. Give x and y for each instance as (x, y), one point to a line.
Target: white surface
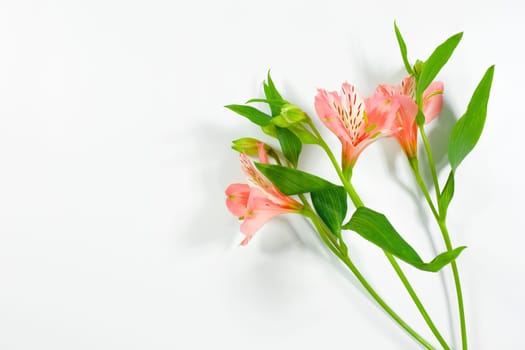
(114, 155)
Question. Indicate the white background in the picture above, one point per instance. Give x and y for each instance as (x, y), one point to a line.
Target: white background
(114, 157)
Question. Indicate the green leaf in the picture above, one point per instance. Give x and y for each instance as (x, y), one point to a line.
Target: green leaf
(468, 128)
(253, 114)
(269, 130)
(403, 49)
(440, 261)
(446, 195)
(435, 62)
(376, 228)
(275, 105)
(304, 135)
(290, 145)
(291, 181)
(271, 93)
(331, 206)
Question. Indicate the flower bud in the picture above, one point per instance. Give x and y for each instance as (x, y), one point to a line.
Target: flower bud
(418, 67)
(290, 115)
(249, 146)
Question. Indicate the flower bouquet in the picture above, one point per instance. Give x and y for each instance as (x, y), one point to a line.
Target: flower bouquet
(276, 185)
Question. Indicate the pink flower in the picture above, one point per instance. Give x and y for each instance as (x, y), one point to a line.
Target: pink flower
(258, 202)
(345, 115)
(396, 106)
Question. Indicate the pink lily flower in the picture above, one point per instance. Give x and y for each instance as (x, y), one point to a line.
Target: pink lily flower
(258, 202)
(346, 116)
(397, 107)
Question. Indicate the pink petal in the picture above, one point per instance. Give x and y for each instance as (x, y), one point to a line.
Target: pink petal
(408, 109)
(388, 90)
(324, 106)
(237, 199)
(260, 210)
(263, 157)
(408, 87)
(253, 174)
(381, 112)
(406, 125)
(253, 223)
(352, 112)
(433, 101)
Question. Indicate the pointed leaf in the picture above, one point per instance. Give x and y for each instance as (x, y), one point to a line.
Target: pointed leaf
(291, 181)
(440, 261)
(275, 105)
(290, 145)
(468, 128)
(376, 228)
(272, 95)
(446, 195)
(331, 206)
(253, 114)
(435, 62)
(403, 49)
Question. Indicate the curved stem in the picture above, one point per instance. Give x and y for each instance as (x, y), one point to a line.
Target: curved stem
(382, 303)
(417, 301)
(354, 196)
(448, 244)
(358, 202)
(415, 169)
(328, 239)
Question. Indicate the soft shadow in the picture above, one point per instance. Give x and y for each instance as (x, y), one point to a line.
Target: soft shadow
(438, 138)
(212, 166)
(280, 235)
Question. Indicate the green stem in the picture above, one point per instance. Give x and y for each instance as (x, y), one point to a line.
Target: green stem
(446, 238)
(417, 301)
(459, 292)
(430, 161)
(415, 168)
(359, 203)
(346, 260)
(329, 239)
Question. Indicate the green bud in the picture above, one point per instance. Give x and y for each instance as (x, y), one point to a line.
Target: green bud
(248, 145)
(418, 67)
(290, 115)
